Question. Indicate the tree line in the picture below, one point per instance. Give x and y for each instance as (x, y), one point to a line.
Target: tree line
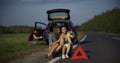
(16, 29)
(106, 22)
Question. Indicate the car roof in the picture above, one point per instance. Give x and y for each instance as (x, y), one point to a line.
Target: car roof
(58, 10)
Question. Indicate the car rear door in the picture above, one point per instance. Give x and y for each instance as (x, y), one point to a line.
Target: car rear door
(40, 27)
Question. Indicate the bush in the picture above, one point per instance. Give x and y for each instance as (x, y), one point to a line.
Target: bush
(106, 22)
(16, 29)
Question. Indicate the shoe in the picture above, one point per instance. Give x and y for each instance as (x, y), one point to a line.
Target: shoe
(50, 56)
(46, 55)
(66, 56)
(63, 56)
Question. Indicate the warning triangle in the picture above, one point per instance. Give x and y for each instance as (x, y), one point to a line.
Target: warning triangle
(82, 56)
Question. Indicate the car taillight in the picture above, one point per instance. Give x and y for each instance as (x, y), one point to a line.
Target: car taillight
(71, 29)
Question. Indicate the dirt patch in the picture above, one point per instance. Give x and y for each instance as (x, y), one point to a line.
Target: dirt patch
(38, 56)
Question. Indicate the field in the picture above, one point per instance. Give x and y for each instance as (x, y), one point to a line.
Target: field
(13, 46)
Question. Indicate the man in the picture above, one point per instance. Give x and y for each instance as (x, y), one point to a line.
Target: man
(33, 37)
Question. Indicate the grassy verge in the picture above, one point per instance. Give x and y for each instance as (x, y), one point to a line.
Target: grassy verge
(14, 46)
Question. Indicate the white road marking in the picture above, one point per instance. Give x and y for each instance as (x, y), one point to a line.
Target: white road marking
(116, 38)
(83, 38)
(54, 60)
(57, 58)
(80, 41)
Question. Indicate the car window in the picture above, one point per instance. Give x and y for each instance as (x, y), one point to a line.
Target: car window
(61, 15)
(41, 26)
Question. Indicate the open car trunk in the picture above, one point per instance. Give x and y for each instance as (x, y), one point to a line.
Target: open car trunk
(58, 14)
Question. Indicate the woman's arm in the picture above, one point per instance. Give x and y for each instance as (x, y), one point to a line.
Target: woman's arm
(69, 39)
(35, 37)
(71, 34)
(59, 39)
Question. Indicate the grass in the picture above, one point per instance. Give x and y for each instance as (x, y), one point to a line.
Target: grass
(13, 46)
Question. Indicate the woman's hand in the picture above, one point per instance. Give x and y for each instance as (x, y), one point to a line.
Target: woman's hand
(71, 32)
(40, 37)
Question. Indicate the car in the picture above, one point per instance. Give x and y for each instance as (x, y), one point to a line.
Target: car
(57, 17)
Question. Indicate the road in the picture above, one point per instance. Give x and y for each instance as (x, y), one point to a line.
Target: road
(100, 48)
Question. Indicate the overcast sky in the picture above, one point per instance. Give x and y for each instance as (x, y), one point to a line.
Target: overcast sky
(26, 12)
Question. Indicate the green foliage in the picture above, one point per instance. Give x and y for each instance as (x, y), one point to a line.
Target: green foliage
(1, 29)
(14, 46)
(16, 29)
(106, 22)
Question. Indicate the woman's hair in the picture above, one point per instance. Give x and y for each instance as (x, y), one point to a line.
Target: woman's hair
(56, 32)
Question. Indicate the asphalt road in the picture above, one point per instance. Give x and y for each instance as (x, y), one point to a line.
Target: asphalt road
(100, 48)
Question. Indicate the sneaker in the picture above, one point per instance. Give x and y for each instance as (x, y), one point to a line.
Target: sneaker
(66, 56)
(63, 56)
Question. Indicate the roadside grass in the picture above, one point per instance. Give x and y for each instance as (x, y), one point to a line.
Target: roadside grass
(13, 46)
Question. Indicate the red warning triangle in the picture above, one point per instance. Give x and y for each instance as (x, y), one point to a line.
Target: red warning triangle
(82, 56)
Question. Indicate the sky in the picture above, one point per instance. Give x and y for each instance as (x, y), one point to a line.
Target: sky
(27, 12)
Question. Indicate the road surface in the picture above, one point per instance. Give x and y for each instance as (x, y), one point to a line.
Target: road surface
(100, 48)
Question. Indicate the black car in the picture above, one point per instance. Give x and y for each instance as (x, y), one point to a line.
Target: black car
(57, 17)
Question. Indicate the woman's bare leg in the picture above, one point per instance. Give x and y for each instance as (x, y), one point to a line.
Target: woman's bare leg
(53, 47)
(58, 48)
(63, 50)
(50, 47)
(68, 48)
